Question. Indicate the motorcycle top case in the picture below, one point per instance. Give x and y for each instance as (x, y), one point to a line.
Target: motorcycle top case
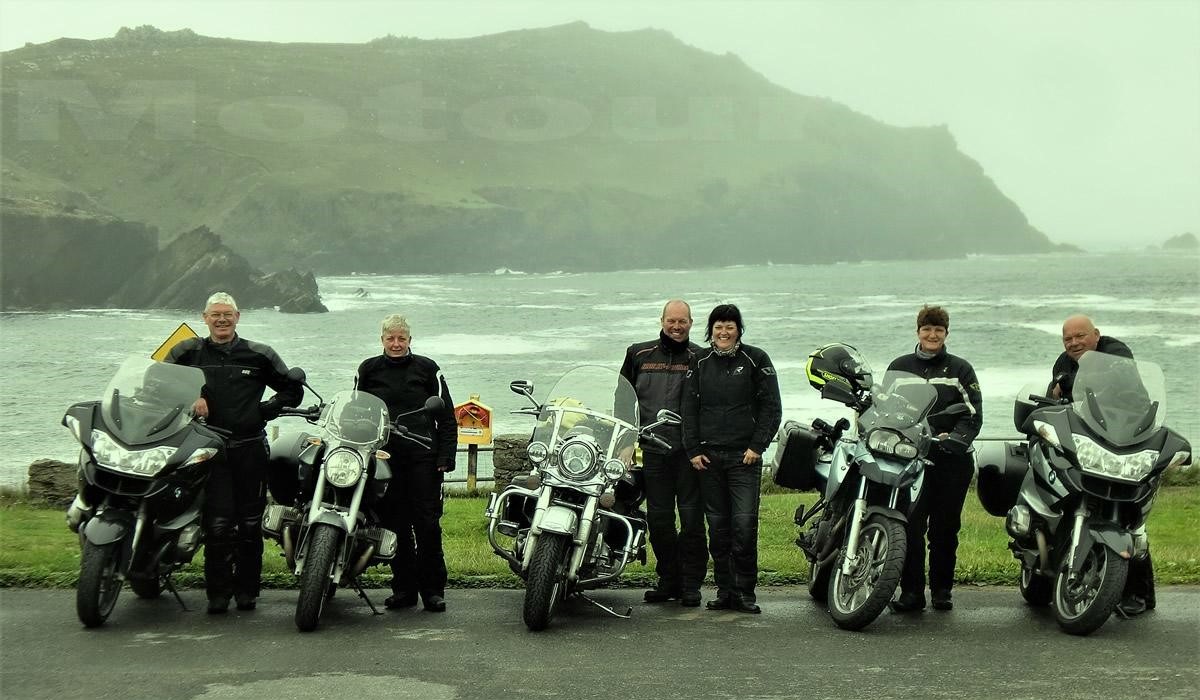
(795, 465)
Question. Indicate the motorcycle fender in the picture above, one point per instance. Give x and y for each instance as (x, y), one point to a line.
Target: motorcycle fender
(191, 515)
(1118, 539)
(329, 518)
(108, 527)
(559, 519)
(888, 513)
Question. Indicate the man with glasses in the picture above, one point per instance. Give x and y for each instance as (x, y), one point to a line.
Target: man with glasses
(236, 373)
(1080, 335)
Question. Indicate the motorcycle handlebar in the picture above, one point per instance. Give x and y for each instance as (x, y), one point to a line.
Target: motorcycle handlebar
(310, 413)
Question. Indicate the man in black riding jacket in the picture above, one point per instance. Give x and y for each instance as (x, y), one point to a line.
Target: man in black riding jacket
(939, 507)
(657, 369)
(1079, 335)
(412, 506)
(236, 373)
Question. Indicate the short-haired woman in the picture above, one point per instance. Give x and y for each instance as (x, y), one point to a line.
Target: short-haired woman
(939, 509)
(731, 410)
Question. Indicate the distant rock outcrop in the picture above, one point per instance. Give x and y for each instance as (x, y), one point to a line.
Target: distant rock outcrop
(59, 257)
(197, 263)
(1184, 241)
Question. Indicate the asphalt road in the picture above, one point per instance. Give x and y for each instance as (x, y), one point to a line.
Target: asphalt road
(990, 646)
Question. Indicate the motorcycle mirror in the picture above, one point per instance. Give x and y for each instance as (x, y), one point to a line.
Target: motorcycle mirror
(667, 417)
(954, 410)
(522, 387)
(296, 375)
(433, 404)
(837, 392)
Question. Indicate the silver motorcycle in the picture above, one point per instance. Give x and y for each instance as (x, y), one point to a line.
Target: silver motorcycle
(573, 523)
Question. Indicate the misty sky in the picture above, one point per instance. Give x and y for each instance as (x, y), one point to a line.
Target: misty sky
(1086, 114)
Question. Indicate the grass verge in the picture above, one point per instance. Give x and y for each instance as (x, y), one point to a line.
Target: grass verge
(39, 551)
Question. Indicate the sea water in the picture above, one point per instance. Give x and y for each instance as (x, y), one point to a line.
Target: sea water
(486, 330)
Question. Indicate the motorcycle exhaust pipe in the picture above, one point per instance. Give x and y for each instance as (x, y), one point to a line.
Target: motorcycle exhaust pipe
(1043, 551)
(361, 564)
(289, 548)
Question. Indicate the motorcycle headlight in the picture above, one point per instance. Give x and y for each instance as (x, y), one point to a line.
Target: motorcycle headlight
(343, 468)
(889, 442)
(577, 459)
(112, 456)
(1095, 459)
(537, 452)
(614, 469)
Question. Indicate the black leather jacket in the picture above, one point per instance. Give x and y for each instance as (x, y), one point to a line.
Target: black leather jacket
(404, 383)
(657, 370)
(731, 402)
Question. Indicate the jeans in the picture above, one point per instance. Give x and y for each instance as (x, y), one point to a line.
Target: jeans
(730, 491)
(680, 555)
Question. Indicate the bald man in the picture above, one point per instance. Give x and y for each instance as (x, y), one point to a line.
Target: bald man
(1079, 336)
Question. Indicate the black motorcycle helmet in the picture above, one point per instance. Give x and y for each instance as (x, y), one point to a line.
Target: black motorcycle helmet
(838, 363)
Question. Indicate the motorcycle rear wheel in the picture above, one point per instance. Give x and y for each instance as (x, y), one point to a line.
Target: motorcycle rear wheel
(818, 581)
(856, 599)
(544, 585)
(314, 580)
(99, 584)
(1035, 588)
(1083, 606)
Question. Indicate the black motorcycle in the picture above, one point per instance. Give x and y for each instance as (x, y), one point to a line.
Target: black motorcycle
(1076, 493)
(142, 469)
(337, 473)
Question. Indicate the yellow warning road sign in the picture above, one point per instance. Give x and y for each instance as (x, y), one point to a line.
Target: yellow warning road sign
(183, 332)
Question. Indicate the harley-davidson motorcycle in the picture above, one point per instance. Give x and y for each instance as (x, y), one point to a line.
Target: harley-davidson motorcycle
(573, 523)
(143, 464)
(330, 533)
(1075, 494)
(869, 474)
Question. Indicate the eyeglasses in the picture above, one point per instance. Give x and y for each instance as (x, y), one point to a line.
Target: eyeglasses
(221, 314)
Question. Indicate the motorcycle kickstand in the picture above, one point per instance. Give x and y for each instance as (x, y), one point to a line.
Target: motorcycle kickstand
(605, 608)
(171, 587)
(363, 594)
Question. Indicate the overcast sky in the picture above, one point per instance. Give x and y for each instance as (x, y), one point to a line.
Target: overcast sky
(1086, 114)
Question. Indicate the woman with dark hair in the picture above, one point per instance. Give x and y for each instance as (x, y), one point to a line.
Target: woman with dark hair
(731, 410)
(939, 508)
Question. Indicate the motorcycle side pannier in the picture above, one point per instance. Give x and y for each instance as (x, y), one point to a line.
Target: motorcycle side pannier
(795, 464)
(1002, 468)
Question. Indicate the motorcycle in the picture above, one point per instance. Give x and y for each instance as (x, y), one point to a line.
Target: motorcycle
(1075, 494)
(868, 477)
(573, 524)
(328, 531)
(143, 465)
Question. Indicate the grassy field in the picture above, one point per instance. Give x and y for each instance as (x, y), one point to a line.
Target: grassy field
(38, 549)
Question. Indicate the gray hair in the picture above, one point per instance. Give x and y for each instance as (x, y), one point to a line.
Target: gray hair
(395, 322)
(220, 298)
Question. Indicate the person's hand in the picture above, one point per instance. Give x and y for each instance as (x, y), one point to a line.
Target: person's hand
(700, 463)
(200, 408)
(750, 457)
(445, 468)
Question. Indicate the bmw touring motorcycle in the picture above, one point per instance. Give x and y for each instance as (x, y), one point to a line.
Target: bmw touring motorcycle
(1075, 494)
(329, 533)
(869, 475)
(143, 465)
(573, 524)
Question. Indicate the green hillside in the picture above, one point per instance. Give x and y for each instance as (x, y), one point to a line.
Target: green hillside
(558, 148)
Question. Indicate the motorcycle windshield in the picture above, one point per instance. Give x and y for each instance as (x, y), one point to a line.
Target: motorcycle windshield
(357, 417)
(590, 400)
(148, 401)
(1122, 400)
(898, 402)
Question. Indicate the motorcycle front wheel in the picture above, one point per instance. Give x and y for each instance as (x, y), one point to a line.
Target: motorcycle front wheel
(99, 583)
(314, 580)
(1083, 605)
(544, 585)
(857, 598)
